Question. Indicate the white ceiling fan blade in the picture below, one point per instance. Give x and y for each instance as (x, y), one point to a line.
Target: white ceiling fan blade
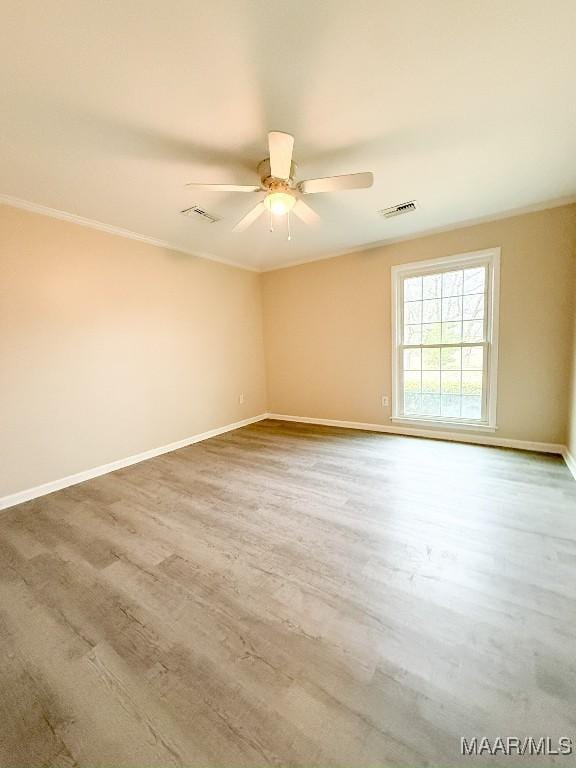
(304, 212)
(225, 187)
(280, 146)
(250, 218)
(337, 183)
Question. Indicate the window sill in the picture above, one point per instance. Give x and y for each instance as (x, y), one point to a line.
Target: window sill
(444, 424)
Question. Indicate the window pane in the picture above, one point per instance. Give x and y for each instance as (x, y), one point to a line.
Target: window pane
(412, 381)
(412, 359)
(430, 405)
(452, 308)
(451, 382)
(412, 312)
(431, 286)
(471, 382)
(412, 334)
(441, 313)
(431, 381)
(412, 402)
(471, 407)
(431, 359)
(473, 358)
(451, 357)
(473, 330)
(431, 311)
(473, 307)
(413, 289)
(431, 333)
(452, 333)
(452, 283)
(474, 280)
(451, 406)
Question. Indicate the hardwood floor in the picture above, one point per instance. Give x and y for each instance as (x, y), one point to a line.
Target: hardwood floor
(291, 595)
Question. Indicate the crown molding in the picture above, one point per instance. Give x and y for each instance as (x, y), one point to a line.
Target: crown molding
(54, 213)
(509, 214)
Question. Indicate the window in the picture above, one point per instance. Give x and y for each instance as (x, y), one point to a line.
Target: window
(446, 340)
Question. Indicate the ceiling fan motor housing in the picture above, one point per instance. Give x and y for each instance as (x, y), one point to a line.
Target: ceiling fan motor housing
(272, 183)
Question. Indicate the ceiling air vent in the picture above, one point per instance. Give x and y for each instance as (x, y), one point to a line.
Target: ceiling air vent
(199, 213)
(397, 210)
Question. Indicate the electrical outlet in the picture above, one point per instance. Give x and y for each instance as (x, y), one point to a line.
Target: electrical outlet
(385, 401)
(241, 398)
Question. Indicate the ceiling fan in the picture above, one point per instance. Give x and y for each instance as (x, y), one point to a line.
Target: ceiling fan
(283, 194)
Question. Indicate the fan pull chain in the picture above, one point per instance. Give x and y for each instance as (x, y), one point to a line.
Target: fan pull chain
(288, 224)
(271, 222)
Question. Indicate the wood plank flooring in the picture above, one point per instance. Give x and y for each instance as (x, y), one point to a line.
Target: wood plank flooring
(291, 595)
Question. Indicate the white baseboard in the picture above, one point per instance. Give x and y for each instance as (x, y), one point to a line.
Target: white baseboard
(480, 439)
(56, 485)
(570, 461)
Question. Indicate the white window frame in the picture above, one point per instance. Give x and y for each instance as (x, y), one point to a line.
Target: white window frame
(489, 258)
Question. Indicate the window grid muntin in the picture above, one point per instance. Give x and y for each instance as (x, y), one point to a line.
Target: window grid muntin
(484, 392)
(484, 343)
(462, 320)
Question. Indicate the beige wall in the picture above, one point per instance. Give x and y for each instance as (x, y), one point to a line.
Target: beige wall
(571, 437)
(328, 326)
(110, 347)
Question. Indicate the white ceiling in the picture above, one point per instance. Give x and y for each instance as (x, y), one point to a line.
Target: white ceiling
(109, 107)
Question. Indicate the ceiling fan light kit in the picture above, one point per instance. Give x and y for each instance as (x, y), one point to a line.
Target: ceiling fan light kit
(279, 203)
(283, 194)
